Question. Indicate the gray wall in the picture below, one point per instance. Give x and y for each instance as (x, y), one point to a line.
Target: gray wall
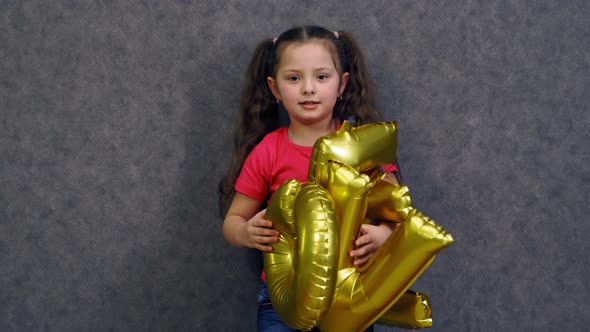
(115, 121)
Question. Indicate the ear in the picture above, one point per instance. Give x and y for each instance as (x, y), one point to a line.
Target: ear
(273, 87)
(343, 81)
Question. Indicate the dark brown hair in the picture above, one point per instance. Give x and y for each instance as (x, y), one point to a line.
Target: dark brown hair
(258, 114)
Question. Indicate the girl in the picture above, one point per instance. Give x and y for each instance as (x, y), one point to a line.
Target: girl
(321, 79)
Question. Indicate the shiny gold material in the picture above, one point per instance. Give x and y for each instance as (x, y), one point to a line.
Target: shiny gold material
(362, 297)
(349, 190)
(389, 201)
(310, 277)
(300, 271)
(362, 148)
(411, 311)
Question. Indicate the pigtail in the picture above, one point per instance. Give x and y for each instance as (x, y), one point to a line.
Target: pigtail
(258, 115)
(358, 100)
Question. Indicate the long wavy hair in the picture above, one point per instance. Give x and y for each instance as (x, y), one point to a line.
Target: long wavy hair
(258, 113)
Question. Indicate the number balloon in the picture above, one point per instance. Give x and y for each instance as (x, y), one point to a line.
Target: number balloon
(310, 278)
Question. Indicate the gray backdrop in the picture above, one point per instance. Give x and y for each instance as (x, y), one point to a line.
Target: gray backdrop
(115, 127)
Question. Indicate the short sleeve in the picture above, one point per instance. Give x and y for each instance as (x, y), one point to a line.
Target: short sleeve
(390, 168)
(255, 174)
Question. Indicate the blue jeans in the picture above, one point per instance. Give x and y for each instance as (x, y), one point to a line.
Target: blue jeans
(269, 320)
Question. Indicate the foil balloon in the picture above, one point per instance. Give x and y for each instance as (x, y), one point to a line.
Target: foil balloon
(411, 311)
(389, 201)
(311, 280)
(362, 148)
(349, 189)
(300, 271)
(361, 297)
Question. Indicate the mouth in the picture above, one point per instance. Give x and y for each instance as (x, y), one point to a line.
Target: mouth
(309, 102)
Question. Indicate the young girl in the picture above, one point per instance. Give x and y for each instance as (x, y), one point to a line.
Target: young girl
(321, 79)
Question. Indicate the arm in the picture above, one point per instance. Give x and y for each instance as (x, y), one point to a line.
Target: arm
(372, 236)
(244, 226)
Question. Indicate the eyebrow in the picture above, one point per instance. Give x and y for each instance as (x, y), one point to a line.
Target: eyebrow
(316, 69)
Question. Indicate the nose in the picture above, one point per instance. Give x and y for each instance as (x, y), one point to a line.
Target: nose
(308, 87)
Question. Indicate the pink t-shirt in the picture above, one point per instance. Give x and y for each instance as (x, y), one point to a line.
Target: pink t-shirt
(273, 161)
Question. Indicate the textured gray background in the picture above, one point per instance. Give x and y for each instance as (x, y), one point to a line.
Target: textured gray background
(115, 122)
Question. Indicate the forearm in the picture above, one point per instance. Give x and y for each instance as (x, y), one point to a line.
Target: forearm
(234, 231)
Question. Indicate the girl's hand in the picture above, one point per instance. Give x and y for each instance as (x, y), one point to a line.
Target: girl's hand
(259, 232)
(371, 238)
(244, 225)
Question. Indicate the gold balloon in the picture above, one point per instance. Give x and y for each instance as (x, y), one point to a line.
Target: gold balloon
(349, 190)
(311, 280)
(300, 271)
(411, 311)
(362, 148)
(362, 297)
(389, 201)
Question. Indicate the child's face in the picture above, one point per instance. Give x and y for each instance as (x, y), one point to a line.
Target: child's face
(307, 82)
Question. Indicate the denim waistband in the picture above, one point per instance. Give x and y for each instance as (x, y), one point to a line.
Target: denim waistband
(263, 297)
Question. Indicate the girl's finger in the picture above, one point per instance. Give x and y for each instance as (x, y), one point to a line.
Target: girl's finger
(263, 231)
(261, 223)
(358, 252)
(365, 228)
(361, 241)
(261, 213)
(266, 239)
(263, 247)
(362, 260)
